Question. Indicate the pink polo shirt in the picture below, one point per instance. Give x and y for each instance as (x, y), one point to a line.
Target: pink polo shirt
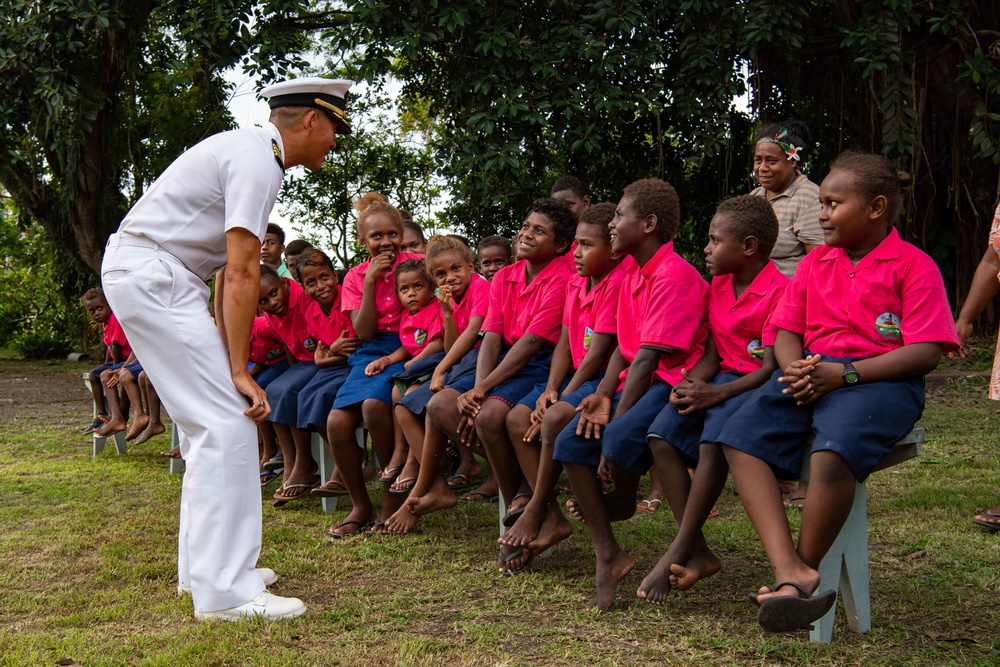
(591, 311)
(265, 345)
(893, 297)
(113, 333)
(475, 302)
(418, 329)
(292, 327)
(326, 328)
(741, 327)
(517, 309)
(663, 305)
(387, 305)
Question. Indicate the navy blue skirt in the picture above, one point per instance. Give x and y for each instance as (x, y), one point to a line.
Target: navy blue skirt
(283, 392)
(316, 398)
(359, 387)
(270, 373)
(457, 376)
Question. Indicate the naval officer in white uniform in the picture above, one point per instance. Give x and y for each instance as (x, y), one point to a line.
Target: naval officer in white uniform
(206, 215)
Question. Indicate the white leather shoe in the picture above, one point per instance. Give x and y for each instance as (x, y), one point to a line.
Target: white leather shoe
(266, 605)
(266, 574)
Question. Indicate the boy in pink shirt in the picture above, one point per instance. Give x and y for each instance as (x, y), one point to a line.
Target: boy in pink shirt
(661, 330)
(862, 321)
(739, 357)
(115, 343)
(589, 337)
(523, 325)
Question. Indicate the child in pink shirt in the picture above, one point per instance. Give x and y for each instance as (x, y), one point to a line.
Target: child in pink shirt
(739, 357)
(422, 336)
(662, 329)
(864, 319)
(463, 296)
(116, 346)
(369, 297)
(589, 337)
(284, 305)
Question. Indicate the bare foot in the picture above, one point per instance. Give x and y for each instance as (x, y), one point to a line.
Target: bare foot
(150, 431)
(138, 425)
(555, 528)
(401, 522)
(702, 565)
(574, 508)
(655, 588)
(609, 573)
(113, 426)
(432, 501)
(526, 528)
(172, 453)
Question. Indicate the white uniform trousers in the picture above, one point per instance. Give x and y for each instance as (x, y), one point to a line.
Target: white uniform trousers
(163, 309)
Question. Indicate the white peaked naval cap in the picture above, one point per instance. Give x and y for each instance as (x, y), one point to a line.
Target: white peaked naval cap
(330, 95)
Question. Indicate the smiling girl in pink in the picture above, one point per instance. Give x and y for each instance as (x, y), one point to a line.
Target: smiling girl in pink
(863, 320)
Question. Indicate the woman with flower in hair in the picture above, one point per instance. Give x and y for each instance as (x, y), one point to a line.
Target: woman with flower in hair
(781, 150)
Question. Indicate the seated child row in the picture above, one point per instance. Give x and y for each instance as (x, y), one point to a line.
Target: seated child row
(608, 359)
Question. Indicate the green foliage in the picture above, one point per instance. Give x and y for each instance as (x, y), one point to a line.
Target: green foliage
(379, 155)
(40, 314)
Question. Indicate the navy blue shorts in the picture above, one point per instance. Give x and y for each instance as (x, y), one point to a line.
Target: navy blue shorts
(463, 372)
(283, 392)
(268, 375)
(316, 398)
(359, 387)
(687, 432)
(860, 423)
(586, 389)
(96, 372)
(134, 369)
(622, 441)
(418, 373)
(533, 372)
(530, 400)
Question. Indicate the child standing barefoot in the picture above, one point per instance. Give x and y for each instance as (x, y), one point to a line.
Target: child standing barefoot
(861, 323)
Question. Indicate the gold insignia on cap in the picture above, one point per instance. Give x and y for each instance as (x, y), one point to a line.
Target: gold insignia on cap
(337, 111)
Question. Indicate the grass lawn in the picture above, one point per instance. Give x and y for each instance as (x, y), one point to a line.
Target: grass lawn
(88, 566)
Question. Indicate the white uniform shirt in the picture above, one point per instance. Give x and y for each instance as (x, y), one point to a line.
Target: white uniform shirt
(229, 180)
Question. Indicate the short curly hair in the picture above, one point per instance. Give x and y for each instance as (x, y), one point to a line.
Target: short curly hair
(749, 215)
(652, 196)
(417, 265)
(600, 215)
(314, 257)
(571, 183)
(563, 220)
(93, 293)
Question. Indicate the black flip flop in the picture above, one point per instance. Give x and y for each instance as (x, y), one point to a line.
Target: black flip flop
(794, 612)
(517, 553)
(361, 526)
(983, 520)
(510, 518)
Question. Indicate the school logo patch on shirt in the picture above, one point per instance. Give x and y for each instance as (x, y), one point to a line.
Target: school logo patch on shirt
(756, 348)
(420, 336)
(588, 336)
(309, 344)
(273, 354)
(887, 325)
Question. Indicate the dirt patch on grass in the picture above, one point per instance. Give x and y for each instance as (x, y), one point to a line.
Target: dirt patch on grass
(45, 391)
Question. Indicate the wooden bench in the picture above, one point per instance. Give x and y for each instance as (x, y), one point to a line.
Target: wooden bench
(845, 566)
(99, 440)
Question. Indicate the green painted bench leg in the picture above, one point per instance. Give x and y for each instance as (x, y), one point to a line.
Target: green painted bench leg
(845, 567)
